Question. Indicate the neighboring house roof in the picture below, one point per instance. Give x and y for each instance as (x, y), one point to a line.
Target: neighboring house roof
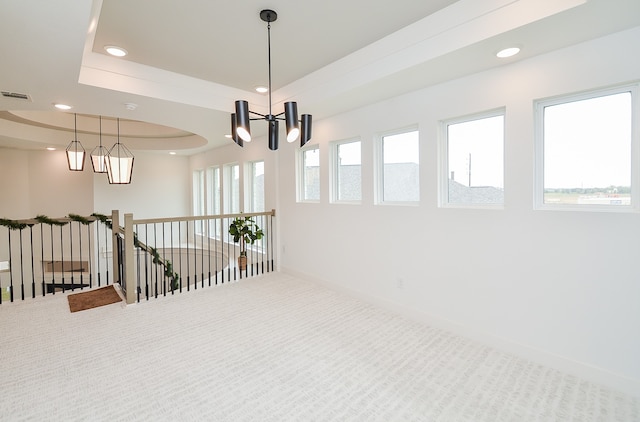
(461, 194)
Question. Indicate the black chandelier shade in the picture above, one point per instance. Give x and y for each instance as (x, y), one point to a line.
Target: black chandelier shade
(241, 126)
(241, 119)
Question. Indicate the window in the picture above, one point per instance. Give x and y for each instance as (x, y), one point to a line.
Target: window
(198, 198)
(347, 172)
(584, 151)
(213, 191)
(198, 193)
(399, 168)
(213, 198)
(256, 186)
(231, 189)
(473, 174)
(309, 176)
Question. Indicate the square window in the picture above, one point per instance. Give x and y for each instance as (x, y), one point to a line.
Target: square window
(474, 170)
(399, 168)
(584, 151)
(309, 175)
(347, 171)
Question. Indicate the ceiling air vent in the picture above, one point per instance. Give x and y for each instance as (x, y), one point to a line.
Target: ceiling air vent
(16, 95)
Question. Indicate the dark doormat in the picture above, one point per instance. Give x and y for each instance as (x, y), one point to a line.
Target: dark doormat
(93, 299)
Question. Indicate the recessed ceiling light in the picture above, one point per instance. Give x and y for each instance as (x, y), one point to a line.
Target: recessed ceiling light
(62, 106)
(508, 52)
(262, 89)
(51, 149)
(172, 153)
(116, 51)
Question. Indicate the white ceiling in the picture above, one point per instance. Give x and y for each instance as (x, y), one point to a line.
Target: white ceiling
(189, 60)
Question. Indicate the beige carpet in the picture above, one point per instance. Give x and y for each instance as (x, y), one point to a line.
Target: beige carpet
(93, 298)
(271, 348)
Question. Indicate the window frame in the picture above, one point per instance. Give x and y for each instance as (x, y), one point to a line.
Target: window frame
(300, 166)
(227, 188)
(198, 193)
(251, 186)
(214, 197)
(335, 175)
(539, 107)
(379, 167)
(443, 155)
(213, 190)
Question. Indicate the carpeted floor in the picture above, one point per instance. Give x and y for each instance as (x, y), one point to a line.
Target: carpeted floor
(271, 348)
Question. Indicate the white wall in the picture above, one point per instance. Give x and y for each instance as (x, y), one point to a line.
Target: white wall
(559, 287)
(160, 187)
(14, 183)
(39, 182)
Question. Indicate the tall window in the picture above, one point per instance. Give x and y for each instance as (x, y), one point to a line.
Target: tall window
(231, 189)
(214, 191)
(309, 176)
(584, 150)
(399, 168)
(474, 170)
(347, 172)
(198, 193)
(198, 198)
(256, 186)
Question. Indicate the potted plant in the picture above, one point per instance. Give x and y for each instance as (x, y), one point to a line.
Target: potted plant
(245, 231)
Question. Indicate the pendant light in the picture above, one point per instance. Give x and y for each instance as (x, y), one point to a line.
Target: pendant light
(75, 151)
(240, 120)
(99, 155)
(119, 163)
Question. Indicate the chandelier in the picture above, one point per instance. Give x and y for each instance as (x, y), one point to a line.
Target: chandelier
(75, 152)
(240, 120)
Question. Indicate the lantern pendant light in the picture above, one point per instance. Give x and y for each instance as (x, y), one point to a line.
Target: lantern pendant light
(99, 155)
(119, 163)
(75, 151)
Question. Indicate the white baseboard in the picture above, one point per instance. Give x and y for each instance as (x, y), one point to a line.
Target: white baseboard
(579, 369)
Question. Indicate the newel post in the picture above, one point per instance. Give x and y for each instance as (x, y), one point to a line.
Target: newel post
(129, 268)
(115, 229)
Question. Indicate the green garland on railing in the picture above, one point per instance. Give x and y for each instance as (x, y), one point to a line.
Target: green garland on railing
(80, 219)
(168, 268)
(43, 219)
(103, 219)
(12, 224)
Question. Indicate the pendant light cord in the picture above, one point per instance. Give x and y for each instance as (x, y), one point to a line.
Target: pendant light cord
(269, 53)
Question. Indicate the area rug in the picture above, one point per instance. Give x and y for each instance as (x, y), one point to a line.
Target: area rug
(93, 299)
